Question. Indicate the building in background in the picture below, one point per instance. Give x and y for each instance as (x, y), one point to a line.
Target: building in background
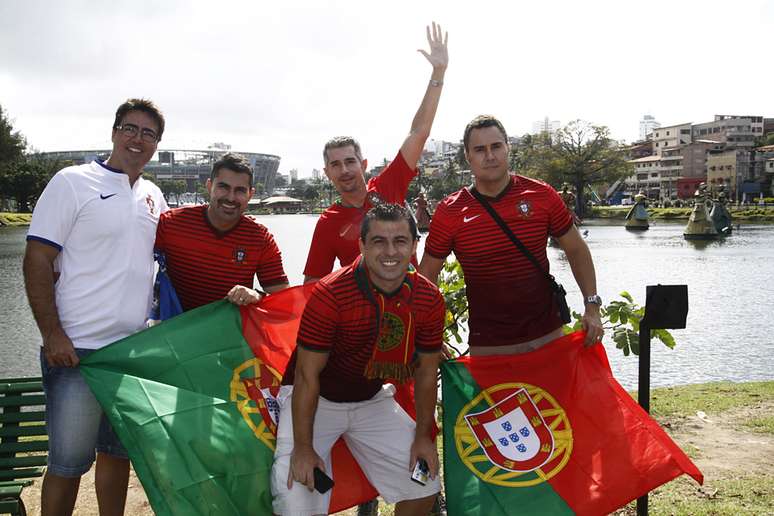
(735, 131)
(670, 136)
(647, 125)
(546, 126)
(189, 165)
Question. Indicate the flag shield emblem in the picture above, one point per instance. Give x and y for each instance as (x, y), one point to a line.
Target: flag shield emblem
(254, 388)
(523, 414)
(513, 434)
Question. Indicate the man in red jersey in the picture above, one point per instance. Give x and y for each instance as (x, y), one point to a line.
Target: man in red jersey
(213, 251)
(511, 305)
(336, 233)
(373, 321)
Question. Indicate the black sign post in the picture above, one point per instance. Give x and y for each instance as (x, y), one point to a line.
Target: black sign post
(666, 307)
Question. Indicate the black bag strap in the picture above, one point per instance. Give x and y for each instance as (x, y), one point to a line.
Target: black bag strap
(500, 222)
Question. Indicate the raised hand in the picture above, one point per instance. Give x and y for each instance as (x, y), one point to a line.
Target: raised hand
(439, 55)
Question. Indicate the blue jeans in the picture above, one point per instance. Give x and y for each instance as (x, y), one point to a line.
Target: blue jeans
(75, 422)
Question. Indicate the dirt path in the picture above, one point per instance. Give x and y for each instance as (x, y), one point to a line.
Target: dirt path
(720, 445)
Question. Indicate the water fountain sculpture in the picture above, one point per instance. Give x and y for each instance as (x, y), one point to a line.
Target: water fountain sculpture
(700, 225)
(637, 218)
(721, 218)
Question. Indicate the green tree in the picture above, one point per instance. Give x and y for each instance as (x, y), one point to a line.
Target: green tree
(171, 187)
(449, 180)
(580, 153)
(25, 180)
(12, 143)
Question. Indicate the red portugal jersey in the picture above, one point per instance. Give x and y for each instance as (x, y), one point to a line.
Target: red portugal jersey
(509, 300)
(338, 228)
(204, 264)
(341, 321)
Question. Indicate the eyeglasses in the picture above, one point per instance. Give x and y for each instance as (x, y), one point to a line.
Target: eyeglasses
(131, 130)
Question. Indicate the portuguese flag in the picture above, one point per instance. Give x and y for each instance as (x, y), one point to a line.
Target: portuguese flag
(193, 401)
(549, 432)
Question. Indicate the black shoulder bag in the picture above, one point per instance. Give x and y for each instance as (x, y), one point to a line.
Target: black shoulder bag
(560, 295)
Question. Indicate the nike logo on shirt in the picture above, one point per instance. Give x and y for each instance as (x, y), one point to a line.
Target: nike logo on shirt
(103, 197)
(468, 219)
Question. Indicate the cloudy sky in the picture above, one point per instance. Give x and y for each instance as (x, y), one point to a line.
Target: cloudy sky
(283, 77)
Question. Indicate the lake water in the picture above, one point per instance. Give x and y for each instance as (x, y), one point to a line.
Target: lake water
(730, 291)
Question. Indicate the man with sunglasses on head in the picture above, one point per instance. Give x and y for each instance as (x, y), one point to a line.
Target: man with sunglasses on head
(88, 271)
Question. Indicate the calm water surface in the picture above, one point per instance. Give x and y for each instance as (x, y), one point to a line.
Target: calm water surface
(730, 291)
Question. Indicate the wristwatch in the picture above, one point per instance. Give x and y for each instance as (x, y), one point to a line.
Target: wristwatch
(593, 300)
(435, 83)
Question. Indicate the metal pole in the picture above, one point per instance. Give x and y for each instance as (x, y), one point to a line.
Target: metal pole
(643, 395)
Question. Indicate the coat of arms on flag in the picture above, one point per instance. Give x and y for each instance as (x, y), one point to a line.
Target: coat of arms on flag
(513, 433)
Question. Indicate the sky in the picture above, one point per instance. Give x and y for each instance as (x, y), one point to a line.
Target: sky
(284, 77)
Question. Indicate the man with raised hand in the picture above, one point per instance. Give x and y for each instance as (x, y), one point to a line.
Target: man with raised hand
(511, 304)
(336, 233)
(214, 251)
(373, 321)
(88, 270)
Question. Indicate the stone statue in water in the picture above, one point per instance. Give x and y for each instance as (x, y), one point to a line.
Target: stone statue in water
(700, 225)
(637, 218)
(720, 215)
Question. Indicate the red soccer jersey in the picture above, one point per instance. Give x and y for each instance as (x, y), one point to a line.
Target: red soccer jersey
(204, 264)
(509, 300)
(340, 320)
(338, 228)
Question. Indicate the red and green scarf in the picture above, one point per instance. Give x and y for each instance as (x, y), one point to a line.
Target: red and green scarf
(393, 351)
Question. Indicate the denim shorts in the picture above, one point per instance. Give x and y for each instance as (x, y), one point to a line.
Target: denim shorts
(75, 422)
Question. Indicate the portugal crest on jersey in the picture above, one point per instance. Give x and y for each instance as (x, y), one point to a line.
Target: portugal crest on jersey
(239, 255)
(524, 209)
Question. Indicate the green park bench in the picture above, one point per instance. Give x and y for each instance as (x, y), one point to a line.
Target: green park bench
(23, 440)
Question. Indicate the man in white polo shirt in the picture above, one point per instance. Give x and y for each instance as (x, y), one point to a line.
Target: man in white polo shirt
(88, 270)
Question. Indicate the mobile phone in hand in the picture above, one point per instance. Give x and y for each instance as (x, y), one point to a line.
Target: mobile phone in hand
(421, 472)
(322, 482)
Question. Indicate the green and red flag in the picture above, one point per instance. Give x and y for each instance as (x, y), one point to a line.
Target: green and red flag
(549, 432)
(193, 401)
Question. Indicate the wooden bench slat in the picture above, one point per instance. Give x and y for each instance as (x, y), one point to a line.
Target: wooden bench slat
(20, 387)
(17, 417)
(9, 506)
(23, 462)
(23, 483)
(22, 400)
(13, 474)
(24, 446)
(18, 431)
(21, 379)
(14, 490)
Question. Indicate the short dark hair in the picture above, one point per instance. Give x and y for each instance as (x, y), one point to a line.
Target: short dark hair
(144, 105)
(480, 122)
(389, 213)
(342, 141)
(235, 162)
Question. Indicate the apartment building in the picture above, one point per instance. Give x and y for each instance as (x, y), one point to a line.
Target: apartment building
(733, 130)
(670, 136)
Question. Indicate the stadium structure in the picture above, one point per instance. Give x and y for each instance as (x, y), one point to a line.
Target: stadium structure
(190, 165)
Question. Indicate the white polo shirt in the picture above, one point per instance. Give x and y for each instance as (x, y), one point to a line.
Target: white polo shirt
(104, 229)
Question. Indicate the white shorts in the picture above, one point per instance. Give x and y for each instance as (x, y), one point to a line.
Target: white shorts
(379, 434)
